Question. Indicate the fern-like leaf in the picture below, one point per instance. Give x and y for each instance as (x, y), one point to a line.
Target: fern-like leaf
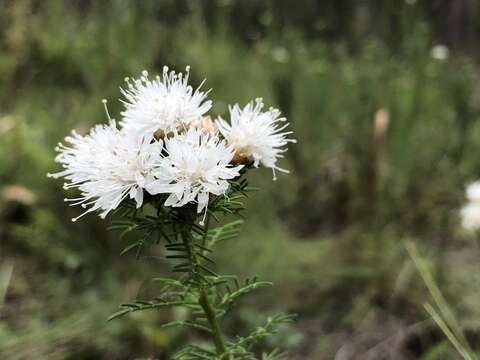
(241, 290)
(224, 232)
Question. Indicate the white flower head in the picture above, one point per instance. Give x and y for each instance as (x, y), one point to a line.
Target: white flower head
(197, 164)
(107, 166)
(257, 135)
(165, 104)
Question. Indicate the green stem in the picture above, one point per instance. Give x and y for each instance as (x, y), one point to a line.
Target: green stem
(203, 299)
(187, 241)
(212, 320)
(205, 227)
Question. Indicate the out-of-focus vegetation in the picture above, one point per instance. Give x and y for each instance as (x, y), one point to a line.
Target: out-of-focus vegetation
(388, 135)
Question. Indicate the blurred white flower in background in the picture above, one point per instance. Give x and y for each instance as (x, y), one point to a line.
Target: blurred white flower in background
(470, 213)
(440, 52)
(473, 192)
(163, 105)
(257, 136)
(197, 165)
(280, 54)
(107, 166)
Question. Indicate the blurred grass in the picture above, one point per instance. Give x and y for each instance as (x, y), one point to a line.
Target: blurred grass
(440, 310)
(5, 276)
(330, 234)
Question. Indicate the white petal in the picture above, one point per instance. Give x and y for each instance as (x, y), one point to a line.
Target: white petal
(139, 198)
(202, 201)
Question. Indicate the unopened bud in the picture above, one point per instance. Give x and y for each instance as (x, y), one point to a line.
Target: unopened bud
(159, 134)
(240, 158)
(204, 124)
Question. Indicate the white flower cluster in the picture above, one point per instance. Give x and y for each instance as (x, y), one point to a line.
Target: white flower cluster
(166, 144)
(470, 213)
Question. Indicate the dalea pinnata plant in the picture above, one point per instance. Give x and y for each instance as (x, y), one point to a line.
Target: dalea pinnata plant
(167, 172)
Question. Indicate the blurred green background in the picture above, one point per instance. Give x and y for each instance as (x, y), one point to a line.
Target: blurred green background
(384, 100)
